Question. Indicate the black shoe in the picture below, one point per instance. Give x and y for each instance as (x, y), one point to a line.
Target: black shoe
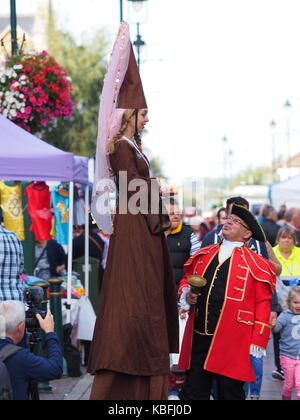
(278, 374)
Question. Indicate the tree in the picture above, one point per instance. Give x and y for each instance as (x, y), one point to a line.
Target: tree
(86, 65)
(157, 167)
(257, 176)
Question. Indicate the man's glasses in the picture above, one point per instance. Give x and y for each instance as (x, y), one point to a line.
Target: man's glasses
(236, 221)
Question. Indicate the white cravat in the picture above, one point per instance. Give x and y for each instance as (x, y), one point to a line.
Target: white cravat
(227, 248)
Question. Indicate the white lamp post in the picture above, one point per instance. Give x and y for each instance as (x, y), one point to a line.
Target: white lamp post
(138, 15)
(287, 106)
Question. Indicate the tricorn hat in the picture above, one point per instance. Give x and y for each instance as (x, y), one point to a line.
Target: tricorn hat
(250, 220)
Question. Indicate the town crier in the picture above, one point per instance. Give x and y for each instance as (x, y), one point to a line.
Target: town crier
(230, 318)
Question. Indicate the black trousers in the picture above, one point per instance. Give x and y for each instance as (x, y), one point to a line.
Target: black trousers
(200, 384)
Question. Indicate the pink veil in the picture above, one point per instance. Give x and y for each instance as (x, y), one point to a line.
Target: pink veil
(110, 119)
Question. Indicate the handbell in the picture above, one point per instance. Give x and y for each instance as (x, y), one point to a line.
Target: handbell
(196, 283)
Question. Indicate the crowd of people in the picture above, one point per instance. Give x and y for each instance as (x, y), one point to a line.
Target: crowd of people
(187, 235)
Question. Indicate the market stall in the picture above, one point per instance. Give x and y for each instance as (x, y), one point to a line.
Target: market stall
(286, 192)
(26, 157)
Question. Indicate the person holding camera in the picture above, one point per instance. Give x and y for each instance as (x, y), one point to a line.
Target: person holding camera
(25, 367)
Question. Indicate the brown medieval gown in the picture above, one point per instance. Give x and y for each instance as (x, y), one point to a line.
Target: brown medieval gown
(137, 323)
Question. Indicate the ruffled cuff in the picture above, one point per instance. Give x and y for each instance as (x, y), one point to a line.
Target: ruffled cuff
(257, 351)
(182, 301)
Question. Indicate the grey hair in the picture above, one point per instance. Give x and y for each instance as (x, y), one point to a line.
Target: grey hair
(12, 313)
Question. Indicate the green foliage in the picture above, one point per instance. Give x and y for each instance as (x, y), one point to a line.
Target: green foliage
(86, 66)
(257, 176)
(157, 167)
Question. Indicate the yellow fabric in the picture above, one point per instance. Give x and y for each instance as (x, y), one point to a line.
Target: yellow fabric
(291, 266)
(178, 229)
(11, 204)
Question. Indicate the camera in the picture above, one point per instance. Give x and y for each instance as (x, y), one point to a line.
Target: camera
(34, 296)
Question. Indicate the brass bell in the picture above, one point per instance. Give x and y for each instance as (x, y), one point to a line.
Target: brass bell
(196, 283)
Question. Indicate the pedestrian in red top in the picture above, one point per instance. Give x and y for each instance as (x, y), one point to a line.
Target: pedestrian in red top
(229, 319)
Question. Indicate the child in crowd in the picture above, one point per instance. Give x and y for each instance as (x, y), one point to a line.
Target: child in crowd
(288, 324)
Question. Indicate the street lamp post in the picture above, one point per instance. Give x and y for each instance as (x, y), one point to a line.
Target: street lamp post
(139, 44)
(230, 160)
(225, 141)
(121, 10)
(273, 153)
(13, 25)
(287, 106)
(137, 6)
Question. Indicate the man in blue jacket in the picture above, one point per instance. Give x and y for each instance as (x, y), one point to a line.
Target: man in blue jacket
(25, 366)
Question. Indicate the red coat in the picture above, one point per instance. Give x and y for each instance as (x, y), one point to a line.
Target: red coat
(245, 315)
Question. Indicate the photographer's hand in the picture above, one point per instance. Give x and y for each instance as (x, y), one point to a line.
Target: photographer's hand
(46, 324)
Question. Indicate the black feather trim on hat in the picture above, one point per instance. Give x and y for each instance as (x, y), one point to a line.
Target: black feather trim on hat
(251, 221)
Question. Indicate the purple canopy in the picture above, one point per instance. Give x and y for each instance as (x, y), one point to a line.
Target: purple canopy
(26, 157)
(81, 170)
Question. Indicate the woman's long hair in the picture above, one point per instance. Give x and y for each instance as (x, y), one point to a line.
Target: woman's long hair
(124, 124)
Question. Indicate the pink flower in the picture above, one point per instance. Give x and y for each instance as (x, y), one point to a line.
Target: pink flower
(32, 100)
(45, 91)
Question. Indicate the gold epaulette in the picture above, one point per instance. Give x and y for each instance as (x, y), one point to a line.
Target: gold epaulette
(261, 269)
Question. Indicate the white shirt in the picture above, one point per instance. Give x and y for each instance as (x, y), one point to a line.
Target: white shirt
(227, 248)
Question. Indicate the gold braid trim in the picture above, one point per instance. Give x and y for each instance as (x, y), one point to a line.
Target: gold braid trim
(264, 271)
(263, 260)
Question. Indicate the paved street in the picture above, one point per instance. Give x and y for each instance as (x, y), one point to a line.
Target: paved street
(79, 388)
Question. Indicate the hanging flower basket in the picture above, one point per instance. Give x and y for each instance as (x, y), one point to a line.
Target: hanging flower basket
(35, 91)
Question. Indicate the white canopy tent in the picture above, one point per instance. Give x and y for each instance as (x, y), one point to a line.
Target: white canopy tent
(286, 192)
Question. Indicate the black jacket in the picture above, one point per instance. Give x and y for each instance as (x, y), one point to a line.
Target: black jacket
(179, 246)
(95, 251)
(56, 256)
(271, 230)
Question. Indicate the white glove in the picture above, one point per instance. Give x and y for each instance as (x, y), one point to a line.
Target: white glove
(182, 301)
